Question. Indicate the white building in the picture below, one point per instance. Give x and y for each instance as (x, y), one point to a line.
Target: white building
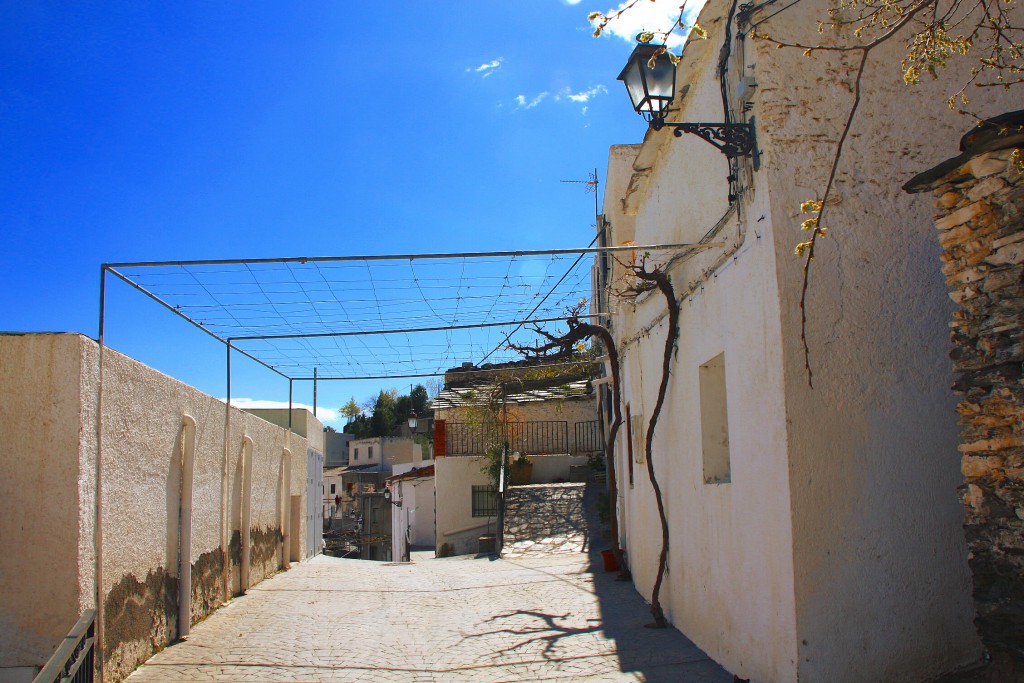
(386, 451)
(553, 423)
(815, 532)
(413, 508)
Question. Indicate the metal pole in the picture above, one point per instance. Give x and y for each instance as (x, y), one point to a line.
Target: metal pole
(440, 328)
(499, 535)
(412, 257)
(290, 382)
(224, 534)
(314, 392)
(321, 378)
(98, 511)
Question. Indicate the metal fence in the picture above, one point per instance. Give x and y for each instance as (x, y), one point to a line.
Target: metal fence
(74, 659)
(538, 437)
(587, 437)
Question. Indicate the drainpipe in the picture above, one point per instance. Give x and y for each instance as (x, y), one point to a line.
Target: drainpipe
(245, 512)
(286, 507)
(188, 452)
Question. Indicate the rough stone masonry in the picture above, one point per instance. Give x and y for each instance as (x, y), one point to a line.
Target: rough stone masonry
(544, 518)
(980, 200)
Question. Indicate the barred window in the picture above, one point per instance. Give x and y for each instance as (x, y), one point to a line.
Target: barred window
(485, 502)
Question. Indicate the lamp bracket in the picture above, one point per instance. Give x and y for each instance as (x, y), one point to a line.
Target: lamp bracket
(732, 139)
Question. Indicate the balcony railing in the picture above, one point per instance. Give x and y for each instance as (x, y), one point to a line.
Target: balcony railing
(537, 437)
(73, 660)
(587, 437)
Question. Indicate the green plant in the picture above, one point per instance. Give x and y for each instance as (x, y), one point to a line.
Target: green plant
(492, 464)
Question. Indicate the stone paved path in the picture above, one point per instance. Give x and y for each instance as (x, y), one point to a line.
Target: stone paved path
(457, 619)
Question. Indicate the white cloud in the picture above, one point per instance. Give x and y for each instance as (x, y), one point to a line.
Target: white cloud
(523, 103)
(325, 414)
(564, 95)
(586, 94)
(655, 16)
(487, 68)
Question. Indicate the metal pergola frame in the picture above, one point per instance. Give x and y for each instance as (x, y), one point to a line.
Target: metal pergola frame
(114, 269)
(230, 341)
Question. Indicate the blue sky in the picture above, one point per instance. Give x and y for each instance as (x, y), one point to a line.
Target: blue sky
(166, 131)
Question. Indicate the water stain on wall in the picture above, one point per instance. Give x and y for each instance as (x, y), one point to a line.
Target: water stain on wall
(265, 546)
(139, 618)
(206, 587)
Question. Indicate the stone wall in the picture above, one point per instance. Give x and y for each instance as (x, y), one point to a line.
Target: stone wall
(980, 200)
(543, 518)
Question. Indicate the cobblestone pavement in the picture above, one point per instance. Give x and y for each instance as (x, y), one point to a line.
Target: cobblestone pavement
(456, 619)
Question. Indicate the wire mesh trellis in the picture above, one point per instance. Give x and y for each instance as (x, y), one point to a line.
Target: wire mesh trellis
(368, 318)
(373, 316)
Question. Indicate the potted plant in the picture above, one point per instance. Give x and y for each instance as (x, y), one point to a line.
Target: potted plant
(520, 469)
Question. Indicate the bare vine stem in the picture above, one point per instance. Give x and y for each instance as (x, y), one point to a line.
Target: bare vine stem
(564, 345)
(816, 223)
(647, 280)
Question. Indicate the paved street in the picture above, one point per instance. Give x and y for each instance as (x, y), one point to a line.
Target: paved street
(456, 619)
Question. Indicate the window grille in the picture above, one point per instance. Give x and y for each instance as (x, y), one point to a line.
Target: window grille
(485, 502)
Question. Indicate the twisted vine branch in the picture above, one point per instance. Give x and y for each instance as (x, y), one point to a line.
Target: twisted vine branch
(644, 280)
(565, 345)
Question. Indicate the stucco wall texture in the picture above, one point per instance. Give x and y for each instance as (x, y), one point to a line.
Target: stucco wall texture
(454, 480)
(834, 552)
(49, 383)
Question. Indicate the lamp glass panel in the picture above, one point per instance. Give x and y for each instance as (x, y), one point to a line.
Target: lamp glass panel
(634, 80)
(661, 81)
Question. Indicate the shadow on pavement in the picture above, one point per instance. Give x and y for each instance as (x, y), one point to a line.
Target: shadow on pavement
(645, 654)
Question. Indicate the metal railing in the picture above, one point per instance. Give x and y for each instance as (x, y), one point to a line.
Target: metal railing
(538, 437)
(587, 437)
(73, 661)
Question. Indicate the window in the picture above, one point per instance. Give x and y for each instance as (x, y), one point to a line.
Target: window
(355, 454)
(485, 502)
(636, 433)
(714, 421)
(369, 455)
(332, 488)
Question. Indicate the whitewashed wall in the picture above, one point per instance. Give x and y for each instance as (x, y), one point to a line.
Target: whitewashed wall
(835, 552)
(454, 478)
(47, 461)
(56, 380)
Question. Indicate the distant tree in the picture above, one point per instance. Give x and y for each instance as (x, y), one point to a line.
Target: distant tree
(385, 413)
(434, 386)
(380, 415)
(359, 427)
(351, 410)
(420, 399)
(403, 406)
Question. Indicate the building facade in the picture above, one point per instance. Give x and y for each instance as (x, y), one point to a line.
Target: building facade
(815, 533)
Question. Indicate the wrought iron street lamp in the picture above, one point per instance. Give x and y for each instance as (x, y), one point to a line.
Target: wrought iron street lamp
(650, 78)
(413, 420)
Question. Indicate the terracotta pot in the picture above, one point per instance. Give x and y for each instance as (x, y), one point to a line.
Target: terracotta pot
(520, 473)
(610, 563)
